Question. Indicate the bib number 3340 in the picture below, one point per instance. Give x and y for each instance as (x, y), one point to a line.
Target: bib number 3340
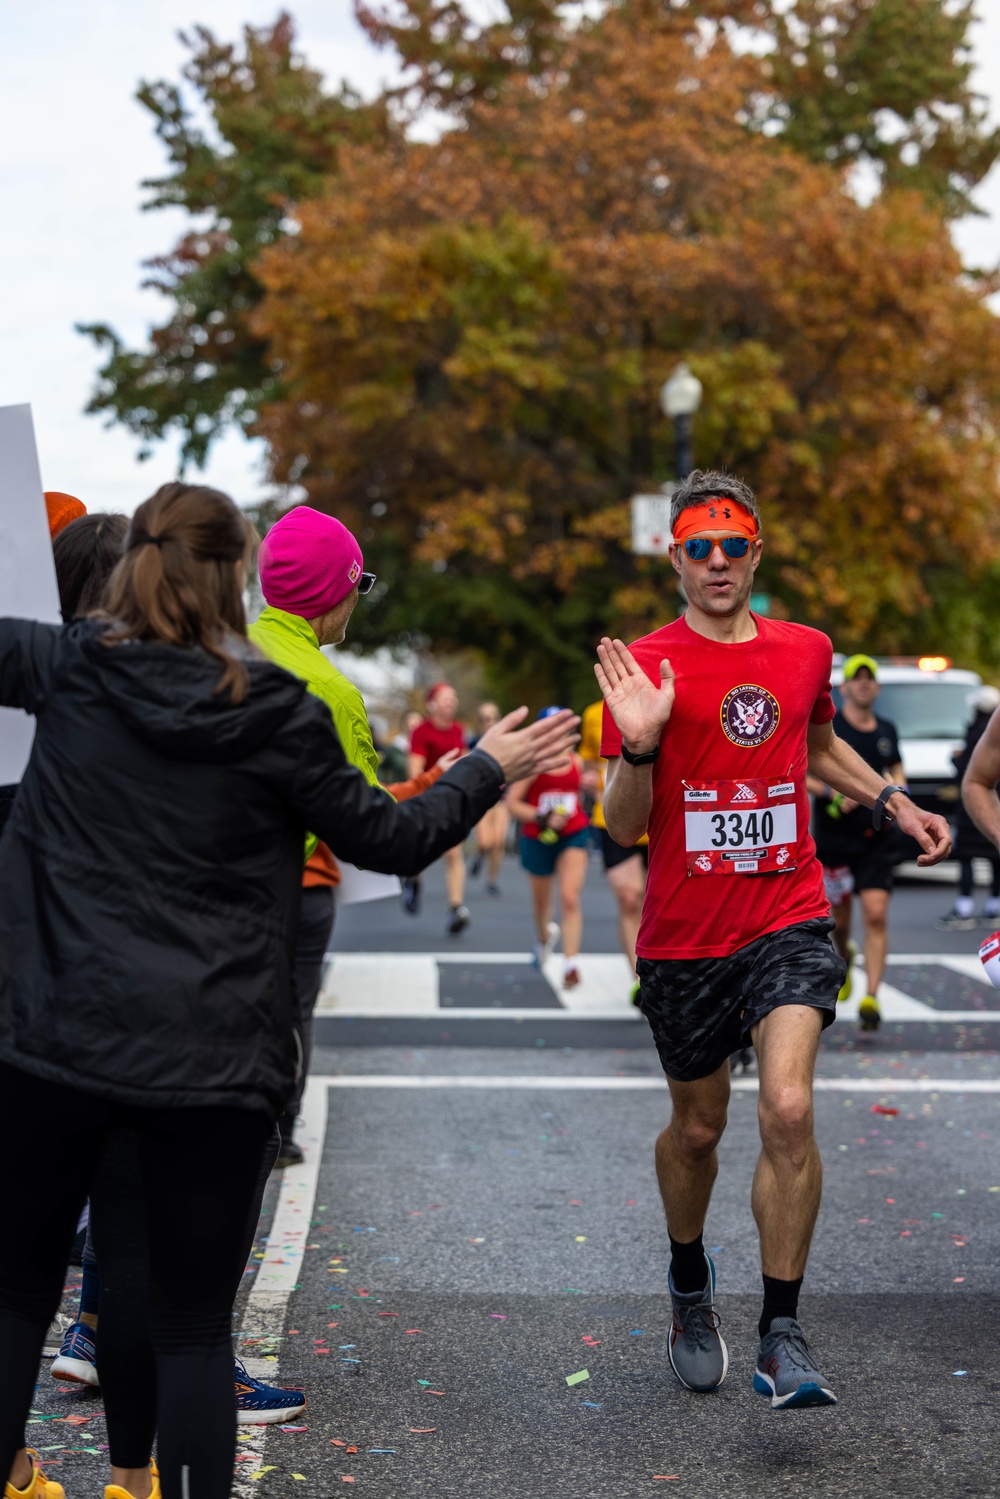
(740, 827)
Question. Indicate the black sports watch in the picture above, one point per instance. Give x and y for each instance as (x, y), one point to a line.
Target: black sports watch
(646, 759)
(880, 810)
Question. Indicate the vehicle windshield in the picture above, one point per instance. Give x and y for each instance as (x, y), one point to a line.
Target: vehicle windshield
(926, 710)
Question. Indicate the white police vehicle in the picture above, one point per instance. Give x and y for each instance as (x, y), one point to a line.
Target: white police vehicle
(930, 703)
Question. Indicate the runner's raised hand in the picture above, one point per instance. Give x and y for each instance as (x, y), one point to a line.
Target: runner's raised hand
(639, 708)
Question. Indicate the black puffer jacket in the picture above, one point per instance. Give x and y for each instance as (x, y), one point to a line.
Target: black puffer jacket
(151, 867)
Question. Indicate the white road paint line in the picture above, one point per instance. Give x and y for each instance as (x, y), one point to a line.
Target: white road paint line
(604, 989)
(279, 1270)
(894, 1004)
(380, 984)
(539, 1084)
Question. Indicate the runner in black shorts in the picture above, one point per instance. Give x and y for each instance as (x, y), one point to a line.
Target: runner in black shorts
(856, 857)
(717, 718)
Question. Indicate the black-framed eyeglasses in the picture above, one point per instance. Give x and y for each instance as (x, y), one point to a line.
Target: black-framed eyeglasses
(699, 548)
(366, 583)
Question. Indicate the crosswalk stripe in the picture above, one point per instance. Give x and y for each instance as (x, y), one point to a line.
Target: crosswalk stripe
(405, 985)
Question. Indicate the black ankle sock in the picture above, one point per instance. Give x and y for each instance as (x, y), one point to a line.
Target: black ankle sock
(781, 1299)
(688, 1270)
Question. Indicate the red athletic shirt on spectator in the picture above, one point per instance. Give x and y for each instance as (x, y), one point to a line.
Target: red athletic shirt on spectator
(787, 667)
(432, 742)
(549, 791)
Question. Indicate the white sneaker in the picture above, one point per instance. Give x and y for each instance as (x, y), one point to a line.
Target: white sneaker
(540, 951)
(571, 975)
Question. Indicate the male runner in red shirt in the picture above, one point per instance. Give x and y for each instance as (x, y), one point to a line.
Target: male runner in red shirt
(716, 719)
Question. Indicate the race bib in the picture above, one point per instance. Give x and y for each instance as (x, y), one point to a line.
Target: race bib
(557, 801)
(740, 827)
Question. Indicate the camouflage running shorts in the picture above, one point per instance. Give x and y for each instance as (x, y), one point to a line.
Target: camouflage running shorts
(701, 1010)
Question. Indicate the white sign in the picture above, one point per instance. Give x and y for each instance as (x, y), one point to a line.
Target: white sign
(27, 572)
(651, 525)
(359, 885)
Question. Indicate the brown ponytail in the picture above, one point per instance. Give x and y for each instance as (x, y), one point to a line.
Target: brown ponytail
(179, 581)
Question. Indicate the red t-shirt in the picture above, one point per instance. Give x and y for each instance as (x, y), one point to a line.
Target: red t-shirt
(730, 856)
(432, 743)
(559, 792)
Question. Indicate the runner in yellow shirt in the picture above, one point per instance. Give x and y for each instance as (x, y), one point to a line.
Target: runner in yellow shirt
(624, 867)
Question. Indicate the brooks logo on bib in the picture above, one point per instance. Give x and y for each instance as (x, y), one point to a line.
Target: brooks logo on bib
(749, 715)
(747, 827)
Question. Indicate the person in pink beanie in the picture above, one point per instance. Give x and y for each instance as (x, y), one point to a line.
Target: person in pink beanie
(312, 575)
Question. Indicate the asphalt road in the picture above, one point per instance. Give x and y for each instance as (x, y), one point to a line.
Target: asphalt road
(482, 1222)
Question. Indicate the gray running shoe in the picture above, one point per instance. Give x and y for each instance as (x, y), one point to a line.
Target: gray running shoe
(787, 1371)
(698, 1356)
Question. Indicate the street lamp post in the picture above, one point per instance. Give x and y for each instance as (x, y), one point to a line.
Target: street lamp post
(680, 398)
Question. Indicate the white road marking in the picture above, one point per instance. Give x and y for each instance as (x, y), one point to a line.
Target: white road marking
(278, 1274)
(539, 1084)
(391, 986)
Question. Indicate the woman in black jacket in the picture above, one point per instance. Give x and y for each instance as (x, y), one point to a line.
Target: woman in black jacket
(149, 878)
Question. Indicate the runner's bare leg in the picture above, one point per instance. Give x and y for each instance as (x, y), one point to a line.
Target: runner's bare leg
(686, 1159)
(789, 1178)
(541, 899)
(454, 875)
(571, 868)
(628, 881)
(841, 933)
(875, 909)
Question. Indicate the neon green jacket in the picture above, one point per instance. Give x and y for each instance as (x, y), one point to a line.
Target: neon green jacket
(291, 642)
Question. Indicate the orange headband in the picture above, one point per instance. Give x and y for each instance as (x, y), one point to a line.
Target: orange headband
(715, 515)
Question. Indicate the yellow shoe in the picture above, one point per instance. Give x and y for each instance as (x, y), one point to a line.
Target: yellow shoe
(869, 1014)
(39, 1487)
(115, 1491)
(844, 992)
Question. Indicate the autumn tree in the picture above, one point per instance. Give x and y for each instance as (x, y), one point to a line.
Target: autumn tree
(467, 336)
(274, 139)
(472, 334)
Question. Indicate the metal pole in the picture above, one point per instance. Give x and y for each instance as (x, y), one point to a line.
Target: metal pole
(682, 446)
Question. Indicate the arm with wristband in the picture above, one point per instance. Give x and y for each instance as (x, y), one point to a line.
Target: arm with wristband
(840, 767)
(641, 710)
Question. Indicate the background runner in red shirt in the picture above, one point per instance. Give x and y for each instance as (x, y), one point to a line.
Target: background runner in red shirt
(554, 845)
(717, 718)
(439, 733)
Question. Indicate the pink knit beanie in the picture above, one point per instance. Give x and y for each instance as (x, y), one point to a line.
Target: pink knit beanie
(308, 562)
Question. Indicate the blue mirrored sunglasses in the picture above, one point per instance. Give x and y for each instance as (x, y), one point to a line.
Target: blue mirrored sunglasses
(366, 583)
(699, 548)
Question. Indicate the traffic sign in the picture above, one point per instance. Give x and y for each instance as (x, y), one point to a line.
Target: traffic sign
(651, 524)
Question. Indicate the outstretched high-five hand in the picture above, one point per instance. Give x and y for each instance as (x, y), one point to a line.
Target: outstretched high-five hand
(639, 708)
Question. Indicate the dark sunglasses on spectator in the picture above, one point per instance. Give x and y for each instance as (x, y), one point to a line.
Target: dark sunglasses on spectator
(699, 548)
(366, 583)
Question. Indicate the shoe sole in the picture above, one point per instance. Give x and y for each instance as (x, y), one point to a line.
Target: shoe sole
(268, 1418)
(807, 1395)
(75, 1371)
(869, 1023)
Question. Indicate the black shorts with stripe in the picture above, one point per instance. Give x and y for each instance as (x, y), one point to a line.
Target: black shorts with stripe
(701, 1010)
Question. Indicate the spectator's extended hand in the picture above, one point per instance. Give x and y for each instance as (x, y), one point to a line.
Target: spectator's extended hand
(542, 746)
(448, 760)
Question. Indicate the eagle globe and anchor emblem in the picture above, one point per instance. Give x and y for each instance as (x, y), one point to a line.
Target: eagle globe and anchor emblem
(749, 715)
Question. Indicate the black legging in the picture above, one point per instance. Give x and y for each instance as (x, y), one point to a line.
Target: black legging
(197, 1217)
(119, 1234)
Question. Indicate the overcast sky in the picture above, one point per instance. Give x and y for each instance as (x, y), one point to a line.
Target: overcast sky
(74, 146)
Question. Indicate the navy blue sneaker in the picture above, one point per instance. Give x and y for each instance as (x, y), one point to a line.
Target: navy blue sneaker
(260, 1404)
(77, 1356)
